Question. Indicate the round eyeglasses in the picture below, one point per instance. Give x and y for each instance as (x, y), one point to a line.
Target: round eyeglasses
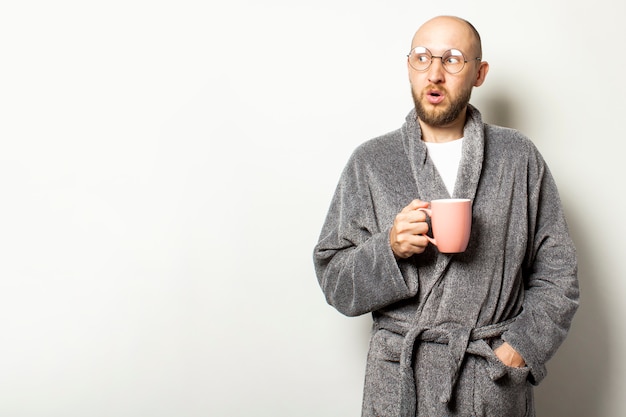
(453, 60)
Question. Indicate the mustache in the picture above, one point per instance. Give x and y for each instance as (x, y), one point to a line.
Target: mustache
(432, 87)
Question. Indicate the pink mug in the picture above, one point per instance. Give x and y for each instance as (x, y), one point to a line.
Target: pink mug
(451, 221)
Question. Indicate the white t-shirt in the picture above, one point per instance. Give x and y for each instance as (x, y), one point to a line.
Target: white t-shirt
(446, 157)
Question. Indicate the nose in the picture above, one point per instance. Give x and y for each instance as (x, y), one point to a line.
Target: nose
(436, 71)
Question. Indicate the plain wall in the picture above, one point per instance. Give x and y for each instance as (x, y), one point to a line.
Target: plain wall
(165, 169)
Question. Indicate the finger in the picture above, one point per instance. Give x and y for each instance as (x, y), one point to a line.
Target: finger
(409, 235)
(417, 203)
(414, 245)
(414, 205)
(416, 216)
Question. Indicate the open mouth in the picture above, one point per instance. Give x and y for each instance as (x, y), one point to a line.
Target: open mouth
(435, 96)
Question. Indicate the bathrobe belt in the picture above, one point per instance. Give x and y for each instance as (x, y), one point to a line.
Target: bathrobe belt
(460, 340)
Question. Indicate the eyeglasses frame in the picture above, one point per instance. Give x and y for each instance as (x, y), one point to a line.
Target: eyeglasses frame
(441, 58)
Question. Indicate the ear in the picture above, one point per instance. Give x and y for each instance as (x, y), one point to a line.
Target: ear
(483, 69)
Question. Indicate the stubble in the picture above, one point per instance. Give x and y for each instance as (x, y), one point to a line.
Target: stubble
(441, 116)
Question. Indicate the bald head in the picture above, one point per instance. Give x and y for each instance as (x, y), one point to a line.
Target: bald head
(449, 32)
(441, 92)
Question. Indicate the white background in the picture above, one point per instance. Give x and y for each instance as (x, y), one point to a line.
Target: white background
(165, 169)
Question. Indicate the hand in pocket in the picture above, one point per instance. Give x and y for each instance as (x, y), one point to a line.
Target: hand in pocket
(509, 356)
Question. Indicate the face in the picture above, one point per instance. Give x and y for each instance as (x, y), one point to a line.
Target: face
(441, 98)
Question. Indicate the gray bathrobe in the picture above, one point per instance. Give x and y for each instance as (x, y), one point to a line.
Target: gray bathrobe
(438, 317)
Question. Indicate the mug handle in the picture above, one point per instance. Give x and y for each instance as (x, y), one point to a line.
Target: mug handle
(430, 214)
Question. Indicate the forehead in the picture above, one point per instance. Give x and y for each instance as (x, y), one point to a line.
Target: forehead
(441, 34)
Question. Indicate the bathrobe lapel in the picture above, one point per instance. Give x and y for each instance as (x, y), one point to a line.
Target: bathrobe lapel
(424, 170)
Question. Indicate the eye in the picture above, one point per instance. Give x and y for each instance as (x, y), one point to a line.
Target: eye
(422, 58)
(453, 60)
(453, 54)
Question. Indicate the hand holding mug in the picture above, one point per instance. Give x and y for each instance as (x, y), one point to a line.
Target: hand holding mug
(451, 221)
(409, 227)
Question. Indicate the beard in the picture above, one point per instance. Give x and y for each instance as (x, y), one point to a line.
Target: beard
(441, 116)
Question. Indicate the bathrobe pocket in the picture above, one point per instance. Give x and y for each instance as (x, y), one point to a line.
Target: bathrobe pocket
(501, 390)
(381, 396)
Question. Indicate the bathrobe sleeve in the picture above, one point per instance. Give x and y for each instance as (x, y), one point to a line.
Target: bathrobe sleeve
(354, 263)
(550, 276)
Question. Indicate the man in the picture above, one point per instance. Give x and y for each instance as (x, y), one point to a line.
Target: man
(464, 334)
